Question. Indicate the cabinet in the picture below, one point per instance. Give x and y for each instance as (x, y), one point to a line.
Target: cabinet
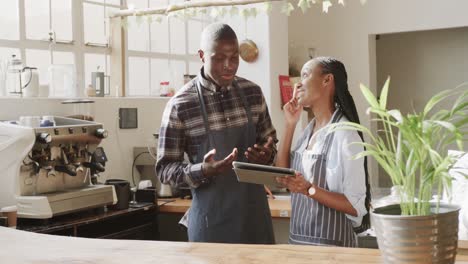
(133, 223)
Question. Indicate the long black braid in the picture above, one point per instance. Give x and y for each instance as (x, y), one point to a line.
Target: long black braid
(344, 101)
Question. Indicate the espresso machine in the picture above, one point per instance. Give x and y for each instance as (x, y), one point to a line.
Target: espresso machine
(50, 171)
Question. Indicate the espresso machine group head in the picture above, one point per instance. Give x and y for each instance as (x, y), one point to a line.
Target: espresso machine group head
(55, 173)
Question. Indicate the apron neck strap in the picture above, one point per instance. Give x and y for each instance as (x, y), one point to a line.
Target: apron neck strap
(248, 111)
(204, 113)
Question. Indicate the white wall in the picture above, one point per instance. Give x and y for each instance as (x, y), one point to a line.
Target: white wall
(346, 33)
(422, 64)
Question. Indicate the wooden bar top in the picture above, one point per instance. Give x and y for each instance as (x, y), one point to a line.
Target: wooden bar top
(27, 247)
(279, 208)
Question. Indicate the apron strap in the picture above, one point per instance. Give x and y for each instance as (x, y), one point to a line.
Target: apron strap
(244, 101)
(204, 113)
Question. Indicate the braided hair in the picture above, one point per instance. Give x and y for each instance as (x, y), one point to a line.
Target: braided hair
(344, 101)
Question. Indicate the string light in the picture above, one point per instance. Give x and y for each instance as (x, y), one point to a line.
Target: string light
(219, 8)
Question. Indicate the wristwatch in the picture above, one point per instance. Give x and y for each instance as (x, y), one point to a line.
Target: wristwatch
(311, 191)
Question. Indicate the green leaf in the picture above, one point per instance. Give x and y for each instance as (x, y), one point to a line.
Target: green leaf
(384, 94)
(234, 11)
(326, 4)
(203, 11)
(253, 12)
(215, 12)
(435, 100)
(396, 114)
(460, 103)
(445, 124)
(378, 111)
(267, 7)
(245, 13)
(139, 20)
(304, 5)
(462, 123)
(287, 8)
(149, 19)
(370, 98)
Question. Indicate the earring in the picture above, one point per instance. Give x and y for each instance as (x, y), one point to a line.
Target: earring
(337, 105)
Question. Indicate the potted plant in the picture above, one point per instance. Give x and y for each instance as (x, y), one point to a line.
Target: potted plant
(412, 149)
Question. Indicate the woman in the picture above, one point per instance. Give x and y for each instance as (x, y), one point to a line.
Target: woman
(330, 194)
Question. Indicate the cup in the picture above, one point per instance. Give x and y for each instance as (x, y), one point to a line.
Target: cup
(11, 212)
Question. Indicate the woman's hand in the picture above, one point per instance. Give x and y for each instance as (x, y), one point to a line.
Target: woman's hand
(292, 110)
(297, 183)
(268, 191)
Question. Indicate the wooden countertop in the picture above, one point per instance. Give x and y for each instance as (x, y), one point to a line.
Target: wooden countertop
(27, 247)
(278, 208)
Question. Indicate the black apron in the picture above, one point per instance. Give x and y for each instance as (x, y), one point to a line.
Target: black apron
(313, 223)
(225, 210)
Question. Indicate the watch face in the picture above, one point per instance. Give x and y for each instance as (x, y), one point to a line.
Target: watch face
(312, 190)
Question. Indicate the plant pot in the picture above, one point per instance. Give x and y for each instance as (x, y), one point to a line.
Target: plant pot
(417, 239)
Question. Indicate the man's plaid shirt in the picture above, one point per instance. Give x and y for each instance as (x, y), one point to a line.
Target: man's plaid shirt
(183, 130)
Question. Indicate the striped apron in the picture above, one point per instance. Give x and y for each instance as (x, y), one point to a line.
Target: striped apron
(313, 223)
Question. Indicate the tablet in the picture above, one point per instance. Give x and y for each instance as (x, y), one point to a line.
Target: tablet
(260, 174)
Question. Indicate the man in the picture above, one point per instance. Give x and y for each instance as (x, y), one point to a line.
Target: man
(215, 119)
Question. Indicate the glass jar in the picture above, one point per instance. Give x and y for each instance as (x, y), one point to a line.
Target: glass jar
(13, 78)
(164, 88)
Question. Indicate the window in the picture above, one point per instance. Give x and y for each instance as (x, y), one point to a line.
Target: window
(9, 16)
(45, 32)
(96, 24)
(96, 27)
(87, 48)
(43, 16)
(160, 51)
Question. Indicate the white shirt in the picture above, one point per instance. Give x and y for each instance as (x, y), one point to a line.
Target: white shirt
(344, 174)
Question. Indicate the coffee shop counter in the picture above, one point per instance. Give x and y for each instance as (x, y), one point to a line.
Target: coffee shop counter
(280, 208)
(27, 247)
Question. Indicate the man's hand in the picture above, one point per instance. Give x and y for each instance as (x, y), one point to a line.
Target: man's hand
(260, 154)
(211, 167)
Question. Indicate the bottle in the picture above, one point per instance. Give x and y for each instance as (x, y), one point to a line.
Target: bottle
(164, 88)
(90, 91)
